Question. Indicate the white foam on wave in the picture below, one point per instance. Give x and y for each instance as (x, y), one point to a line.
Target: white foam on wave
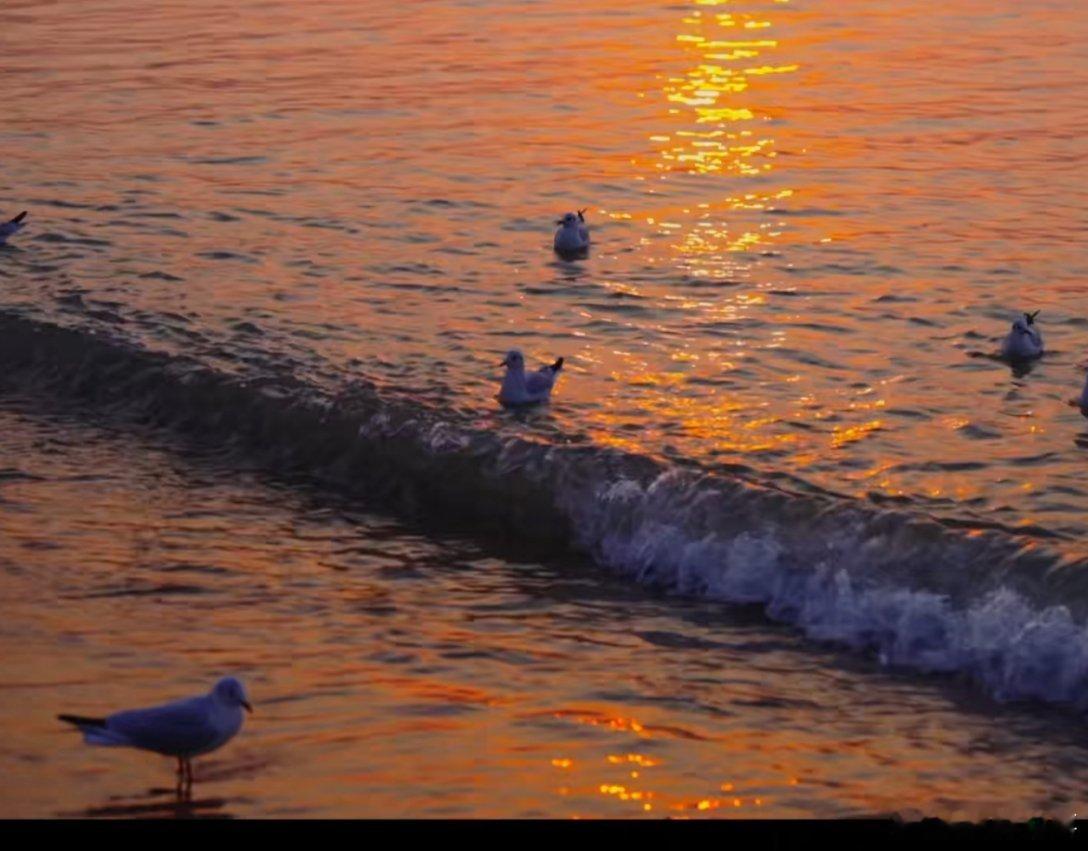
(1016, 650)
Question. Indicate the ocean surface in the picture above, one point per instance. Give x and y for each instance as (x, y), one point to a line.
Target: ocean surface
(788, 541)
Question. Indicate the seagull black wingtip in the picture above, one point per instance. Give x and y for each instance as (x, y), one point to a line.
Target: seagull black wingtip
(18, 218)
(82, 720)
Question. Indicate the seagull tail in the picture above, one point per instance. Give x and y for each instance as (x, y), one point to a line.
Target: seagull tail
(18, 218)
(558, 365)
(94, 730)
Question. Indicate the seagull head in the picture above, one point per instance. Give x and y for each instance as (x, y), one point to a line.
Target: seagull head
(568, 220)
(231, 692)
(1022, 324)
(514, 360)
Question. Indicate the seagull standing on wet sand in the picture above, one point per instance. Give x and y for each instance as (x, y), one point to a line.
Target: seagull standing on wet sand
(182, 729)
(573, 235)
(521, 389)
(12, 227)
(1024, 341)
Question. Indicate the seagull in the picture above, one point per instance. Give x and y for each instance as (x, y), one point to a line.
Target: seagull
(573, 235)
(182, 729)
(12, 227)
(1024, 341)
(1082, 402)
(521, 389)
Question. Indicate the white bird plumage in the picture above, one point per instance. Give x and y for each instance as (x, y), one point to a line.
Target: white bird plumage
(1024, 341)
(12, 227)
(521, 389)
(572, 237)
(183, 729)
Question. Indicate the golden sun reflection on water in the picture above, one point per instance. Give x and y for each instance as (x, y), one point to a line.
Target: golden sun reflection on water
(628, 778)
(718, 130)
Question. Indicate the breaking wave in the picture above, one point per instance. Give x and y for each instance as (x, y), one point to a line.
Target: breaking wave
(1001, 609)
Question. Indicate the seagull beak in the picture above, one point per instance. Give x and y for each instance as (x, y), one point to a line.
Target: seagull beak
(249, 708)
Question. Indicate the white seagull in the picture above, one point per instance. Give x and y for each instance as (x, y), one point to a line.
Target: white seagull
(12, 227)
(573, 235)
(1024, 341)
(521, 389)
(182, 729)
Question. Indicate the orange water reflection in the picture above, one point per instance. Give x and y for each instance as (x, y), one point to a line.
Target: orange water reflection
(813, 212)
(805, 203)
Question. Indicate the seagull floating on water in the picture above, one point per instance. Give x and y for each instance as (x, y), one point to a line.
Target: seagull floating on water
(12, 227)
(573, 235)
(182, 729)
(1024, 340)
(521, 389)
(1082, 402)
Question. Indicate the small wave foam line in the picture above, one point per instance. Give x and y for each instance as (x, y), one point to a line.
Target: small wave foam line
(1009, 614)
